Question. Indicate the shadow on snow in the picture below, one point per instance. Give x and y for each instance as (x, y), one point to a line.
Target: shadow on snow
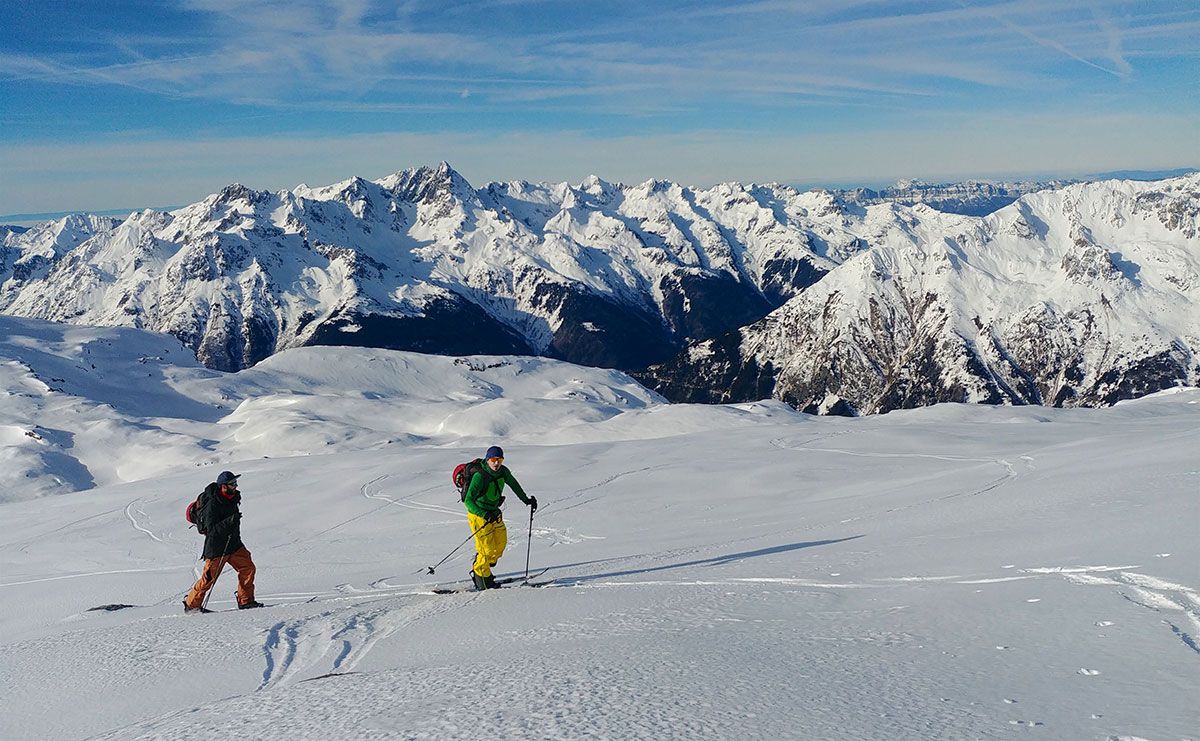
(714, 561)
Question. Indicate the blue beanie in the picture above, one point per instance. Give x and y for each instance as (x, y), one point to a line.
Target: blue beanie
(494, 452)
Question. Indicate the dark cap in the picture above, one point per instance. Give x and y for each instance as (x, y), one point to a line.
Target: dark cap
(227, 477)
(494, 452)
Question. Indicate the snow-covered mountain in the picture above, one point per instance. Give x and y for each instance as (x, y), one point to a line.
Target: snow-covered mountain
(1075, 297)
(600, 274)
(1091, 286)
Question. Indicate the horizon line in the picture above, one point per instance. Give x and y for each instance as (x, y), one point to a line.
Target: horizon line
(1145, 175)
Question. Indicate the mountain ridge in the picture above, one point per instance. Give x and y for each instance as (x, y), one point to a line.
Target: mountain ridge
(614, 275)
(1106, 310)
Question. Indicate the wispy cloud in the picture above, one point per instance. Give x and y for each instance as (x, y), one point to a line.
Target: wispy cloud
(774, 73)
(1005, 20)
(288, 51)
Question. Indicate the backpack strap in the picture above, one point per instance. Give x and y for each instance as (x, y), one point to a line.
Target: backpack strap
(482, 468)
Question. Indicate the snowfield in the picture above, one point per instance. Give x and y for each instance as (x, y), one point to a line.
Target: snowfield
(731, 572)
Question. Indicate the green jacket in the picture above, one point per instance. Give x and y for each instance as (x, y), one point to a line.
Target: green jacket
(487, 489)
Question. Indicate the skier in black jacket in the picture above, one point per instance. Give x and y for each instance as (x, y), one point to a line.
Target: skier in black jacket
(223, 544)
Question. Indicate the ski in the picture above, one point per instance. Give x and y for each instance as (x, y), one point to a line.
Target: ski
(275, 604)
(512, 579)
(520, 581)
(467, 590)
(212, 611)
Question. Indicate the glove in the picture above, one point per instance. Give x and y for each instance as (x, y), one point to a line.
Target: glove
(533, 504)
(492, 516)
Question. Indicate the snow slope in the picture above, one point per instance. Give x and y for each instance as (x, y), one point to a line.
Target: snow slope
(1075, 297)
(70, 422)
(738, 572)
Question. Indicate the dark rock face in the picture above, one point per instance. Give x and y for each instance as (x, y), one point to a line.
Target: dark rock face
(449, 326)
(782, 278)
(713, 372)
(1143, 376)
(603, 333)
(697, 306)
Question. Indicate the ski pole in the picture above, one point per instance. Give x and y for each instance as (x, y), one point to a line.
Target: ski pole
(529, 544)
(220, 568)
(460, 545)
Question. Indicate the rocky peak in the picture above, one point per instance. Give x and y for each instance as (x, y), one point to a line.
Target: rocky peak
(425, 184)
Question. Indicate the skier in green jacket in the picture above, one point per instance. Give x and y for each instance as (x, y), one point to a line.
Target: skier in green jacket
(485, 494)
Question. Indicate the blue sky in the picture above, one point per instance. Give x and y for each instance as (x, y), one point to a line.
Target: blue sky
(144, 104)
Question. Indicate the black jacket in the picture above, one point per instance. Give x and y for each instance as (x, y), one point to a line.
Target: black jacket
(223, 520)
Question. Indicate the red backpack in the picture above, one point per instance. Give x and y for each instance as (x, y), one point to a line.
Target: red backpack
(192, 513)
(463, 473)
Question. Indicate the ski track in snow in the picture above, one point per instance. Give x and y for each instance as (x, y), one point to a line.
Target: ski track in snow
(129, 512)
(402, 501)
(1010, 473)
(335, 641)
(1178, 604)
(87, 574)
(557, 505)
(60, 528)
(387, 501)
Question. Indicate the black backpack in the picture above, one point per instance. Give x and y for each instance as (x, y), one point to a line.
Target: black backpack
(193, 514)
(463, 473)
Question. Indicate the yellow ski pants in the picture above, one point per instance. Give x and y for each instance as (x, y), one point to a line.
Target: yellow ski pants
(491, 538)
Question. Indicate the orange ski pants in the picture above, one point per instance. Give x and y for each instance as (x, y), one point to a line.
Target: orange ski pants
(241, 562)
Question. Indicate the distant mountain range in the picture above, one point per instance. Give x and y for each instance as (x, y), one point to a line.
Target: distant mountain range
(982, 197)
(1077, 297)
(972, 198)
(836, 301)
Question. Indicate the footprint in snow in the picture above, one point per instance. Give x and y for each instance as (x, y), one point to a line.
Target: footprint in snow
(1102, 623)
(1089, 672)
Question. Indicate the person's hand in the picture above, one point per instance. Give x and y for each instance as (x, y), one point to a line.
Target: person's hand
(492, 516)
(533, 504)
